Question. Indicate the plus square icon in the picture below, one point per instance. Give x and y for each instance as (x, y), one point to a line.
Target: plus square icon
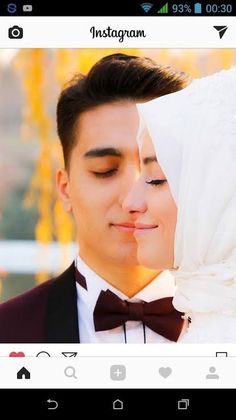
(118, 372)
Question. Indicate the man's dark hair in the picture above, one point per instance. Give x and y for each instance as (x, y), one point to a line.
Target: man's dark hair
(116, 77)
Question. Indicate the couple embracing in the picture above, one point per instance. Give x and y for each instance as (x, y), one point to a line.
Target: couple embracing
(150, 179)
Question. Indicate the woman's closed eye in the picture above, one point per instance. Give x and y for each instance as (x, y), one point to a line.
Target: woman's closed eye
(156, 182)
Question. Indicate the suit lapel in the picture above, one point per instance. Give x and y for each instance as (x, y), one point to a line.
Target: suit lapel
(62, 315)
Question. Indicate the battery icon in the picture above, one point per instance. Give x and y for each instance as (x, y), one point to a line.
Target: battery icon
(197, 8)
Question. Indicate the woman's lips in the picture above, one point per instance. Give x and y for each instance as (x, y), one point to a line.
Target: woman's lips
(142, 229)
(134, 227)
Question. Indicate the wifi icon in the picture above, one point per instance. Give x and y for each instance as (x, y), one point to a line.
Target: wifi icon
(146, 7)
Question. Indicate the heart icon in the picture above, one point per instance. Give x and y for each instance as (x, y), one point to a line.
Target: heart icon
(17, 354)
(165, 372)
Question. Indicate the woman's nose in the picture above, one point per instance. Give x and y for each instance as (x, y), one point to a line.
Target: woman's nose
(134, 200)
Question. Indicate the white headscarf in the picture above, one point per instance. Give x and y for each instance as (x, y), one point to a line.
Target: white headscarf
(194, 134)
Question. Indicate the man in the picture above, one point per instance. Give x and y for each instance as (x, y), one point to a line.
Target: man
(98, 124)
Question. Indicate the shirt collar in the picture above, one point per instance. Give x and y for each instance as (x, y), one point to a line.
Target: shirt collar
(160, 287)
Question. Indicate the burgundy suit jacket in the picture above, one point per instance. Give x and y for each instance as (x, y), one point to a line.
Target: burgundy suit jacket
(45, 314)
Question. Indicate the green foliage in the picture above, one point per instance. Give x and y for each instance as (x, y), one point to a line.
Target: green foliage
(15, 284)
(16, 221)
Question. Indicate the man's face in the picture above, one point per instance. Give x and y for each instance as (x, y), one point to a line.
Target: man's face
(103, 167)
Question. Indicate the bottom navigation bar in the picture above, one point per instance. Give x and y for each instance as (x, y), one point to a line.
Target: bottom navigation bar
(116, 403)
(117, 372)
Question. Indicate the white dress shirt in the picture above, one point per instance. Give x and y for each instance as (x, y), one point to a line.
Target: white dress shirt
(162, 286)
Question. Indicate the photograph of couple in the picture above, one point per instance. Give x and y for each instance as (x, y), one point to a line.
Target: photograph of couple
(149, 176)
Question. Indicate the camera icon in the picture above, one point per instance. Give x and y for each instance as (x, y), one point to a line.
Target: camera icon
(15, 32)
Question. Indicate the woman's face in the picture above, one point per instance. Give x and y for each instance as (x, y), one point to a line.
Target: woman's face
(157, 212)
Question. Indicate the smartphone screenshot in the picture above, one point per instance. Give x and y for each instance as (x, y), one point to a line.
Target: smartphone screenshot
(117, 208)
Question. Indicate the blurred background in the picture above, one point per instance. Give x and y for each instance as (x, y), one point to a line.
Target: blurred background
(36, 236)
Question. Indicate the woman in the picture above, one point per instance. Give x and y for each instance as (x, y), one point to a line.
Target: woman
(190, 199)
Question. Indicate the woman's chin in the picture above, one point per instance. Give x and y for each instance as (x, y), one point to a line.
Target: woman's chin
(149, 259)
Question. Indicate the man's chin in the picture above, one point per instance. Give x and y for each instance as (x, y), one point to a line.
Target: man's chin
(128, 254)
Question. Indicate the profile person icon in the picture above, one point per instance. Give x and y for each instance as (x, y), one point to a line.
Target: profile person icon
(212, 374)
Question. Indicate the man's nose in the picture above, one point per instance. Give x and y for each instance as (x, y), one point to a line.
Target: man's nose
(134, 200)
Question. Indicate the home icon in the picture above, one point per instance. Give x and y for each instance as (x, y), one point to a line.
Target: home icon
(118, 405)
(23, 374)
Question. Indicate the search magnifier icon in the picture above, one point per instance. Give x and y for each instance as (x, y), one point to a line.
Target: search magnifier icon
(70, 372)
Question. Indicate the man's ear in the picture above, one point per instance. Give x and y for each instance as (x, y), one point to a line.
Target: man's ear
(63, 189)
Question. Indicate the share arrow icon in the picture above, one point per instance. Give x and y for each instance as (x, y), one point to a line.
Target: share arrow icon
(221, 30)
(69, 353)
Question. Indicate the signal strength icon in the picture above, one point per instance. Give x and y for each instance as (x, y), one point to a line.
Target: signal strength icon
(146, 7)
(164, 9)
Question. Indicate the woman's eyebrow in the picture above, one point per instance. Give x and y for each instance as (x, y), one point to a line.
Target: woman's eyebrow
(103, 152)
(149, 159)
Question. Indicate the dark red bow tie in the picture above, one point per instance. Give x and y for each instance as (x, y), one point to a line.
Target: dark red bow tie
(159, 315)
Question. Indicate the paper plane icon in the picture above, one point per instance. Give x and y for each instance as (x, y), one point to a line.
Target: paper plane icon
(221, 30)
(69, 353)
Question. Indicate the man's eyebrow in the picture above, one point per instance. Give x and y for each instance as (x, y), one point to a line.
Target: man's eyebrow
(149, 159)
(103, 152)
